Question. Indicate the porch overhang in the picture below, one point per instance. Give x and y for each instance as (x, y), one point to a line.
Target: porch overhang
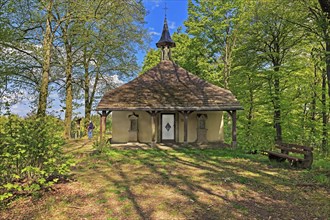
(220, 108)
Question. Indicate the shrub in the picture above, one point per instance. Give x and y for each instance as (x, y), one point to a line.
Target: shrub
(31, 154)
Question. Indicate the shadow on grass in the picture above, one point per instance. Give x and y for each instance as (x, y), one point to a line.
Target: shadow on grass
(183, 183)
(217, 183)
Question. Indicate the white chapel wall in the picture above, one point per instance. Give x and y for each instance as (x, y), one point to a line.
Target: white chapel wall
(213, 123)
(121, 126)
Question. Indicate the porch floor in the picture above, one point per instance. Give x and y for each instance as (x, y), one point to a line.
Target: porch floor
(169, 146)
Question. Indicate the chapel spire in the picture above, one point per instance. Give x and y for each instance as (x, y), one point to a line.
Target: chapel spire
(165, 42)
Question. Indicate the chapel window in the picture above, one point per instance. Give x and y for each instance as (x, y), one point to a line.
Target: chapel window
(133, 122)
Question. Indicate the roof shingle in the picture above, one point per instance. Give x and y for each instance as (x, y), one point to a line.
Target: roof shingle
(168, 87)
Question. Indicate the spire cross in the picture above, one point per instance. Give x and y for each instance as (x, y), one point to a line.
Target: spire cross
(165, 9)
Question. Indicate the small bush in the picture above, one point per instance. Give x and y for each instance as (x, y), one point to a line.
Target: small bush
(31, 155)
(322, 179)
(100, 146)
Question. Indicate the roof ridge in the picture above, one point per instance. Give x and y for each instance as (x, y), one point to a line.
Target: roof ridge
(169, 86)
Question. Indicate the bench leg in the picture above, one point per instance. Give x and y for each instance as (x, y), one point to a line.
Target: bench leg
(275, 158)
(295, 163)
(307, 164)
(301, 164)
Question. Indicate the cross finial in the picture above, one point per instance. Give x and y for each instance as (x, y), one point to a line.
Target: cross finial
(165, 8)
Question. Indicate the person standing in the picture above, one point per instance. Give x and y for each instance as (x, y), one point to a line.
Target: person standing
(90, 128)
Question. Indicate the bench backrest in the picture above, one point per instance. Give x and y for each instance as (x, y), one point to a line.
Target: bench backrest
(296, 146)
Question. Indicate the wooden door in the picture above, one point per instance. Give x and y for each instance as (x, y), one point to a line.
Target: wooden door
(168, 127)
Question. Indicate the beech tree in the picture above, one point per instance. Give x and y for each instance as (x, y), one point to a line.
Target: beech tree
(317, 26)
(216, 25)
(56, 37)
(323, 21)
(277, 68)
(108, 45)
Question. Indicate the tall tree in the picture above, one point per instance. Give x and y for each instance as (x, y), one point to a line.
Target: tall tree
(16, 55)
(324, 22)
(47, 48)
(67, 15)
(33, 28)
(216, 25)
(52, 37)
(274, 40)
(109, 44)
(317, 28)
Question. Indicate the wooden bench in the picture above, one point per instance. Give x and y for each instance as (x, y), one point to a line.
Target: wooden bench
(305, 162)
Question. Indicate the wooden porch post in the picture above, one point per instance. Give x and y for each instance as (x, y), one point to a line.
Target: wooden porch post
(103, 121)
(153, 115)
(185, 115)
(185, 136)
(101, 127)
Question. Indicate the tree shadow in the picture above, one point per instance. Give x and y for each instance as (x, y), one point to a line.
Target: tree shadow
(213, 186)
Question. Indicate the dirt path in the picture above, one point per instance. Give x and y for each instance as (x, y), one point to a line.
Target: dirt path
(176, 184)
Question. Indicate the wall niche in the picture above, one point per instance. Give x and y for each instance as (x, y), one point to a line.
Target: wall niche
(201, 128)
(133, 128)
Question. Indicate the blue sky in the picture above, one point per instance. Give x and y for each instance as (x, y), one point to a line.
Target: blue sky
(177, 12)
(176, 15)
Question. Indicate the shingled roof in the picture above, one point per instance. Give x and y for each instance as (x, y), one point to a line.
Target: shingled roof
(165, 39)
(168, 87)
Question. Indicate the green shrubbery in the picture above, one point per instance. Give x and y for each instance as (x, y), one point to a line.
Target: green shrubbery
(31, 154)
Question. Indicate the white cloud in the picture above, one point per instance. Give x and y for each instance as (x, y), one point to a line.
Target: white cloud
(117, 80)
(21, 109)
(54, 95)
(171, 25)
(16, 95)
(154, 3)
(154, 33)
(114, 81)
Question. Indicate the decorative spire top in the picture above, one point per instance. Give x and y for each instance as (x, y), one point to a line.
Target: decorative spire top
(165, 42)
(165, 39)
(165, 9)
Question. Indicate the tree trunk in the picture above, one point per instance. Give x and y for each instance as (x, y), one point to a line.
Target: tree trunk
(325, 6)
(90, 96)
(88, 106)
(327, 53)
(324, 115)
(277, 107)
(251, 108)
(227, 59)
(47, 44)
(89, 93)
(226, 68)
(68, 86)
(313, 106)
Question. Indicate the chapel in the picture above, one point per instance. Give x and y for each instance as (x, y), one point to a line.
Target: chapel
(167, 104)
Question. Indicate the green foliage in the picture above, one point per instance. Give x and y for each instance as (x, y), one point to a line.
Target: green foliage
(151, 59)
(216, 26)
(270, 54)
(101, 146)
(319, 173)
(190, 54)
(322, 179)
(31, 154)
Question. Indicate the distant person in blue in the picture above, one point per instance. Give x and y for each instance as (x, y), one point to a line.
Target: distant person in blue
(90, 128)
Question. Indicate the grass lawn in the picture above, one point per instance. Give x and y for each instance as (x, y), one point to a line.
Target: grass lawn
(178, 183)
